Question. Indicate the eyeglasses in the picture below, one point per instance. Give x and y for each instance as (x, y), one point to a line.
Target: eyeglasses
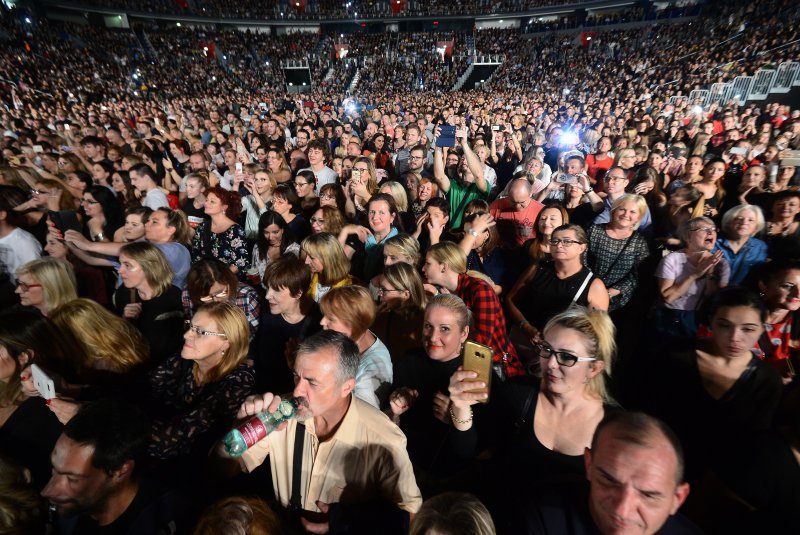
(382, 291)
(39, 192)
(707, 230)
(416, 157)
(89, 201)
(612, 177)
(25, 287)
(566, 242)
(219, 295)
(562, 357)
(187, 325)
(326, 197)
(300, 184)
(319, 220)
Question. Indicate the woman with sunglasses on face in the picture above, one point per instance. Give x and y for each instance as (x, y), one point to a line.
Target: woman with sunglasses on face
(195, 394)
(46, 283)
(540, 428)
(549, 288)
(210, 281)
(687, 276)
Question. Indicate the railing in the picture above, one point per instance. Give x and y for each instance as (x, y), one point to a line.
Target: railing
(759, 86)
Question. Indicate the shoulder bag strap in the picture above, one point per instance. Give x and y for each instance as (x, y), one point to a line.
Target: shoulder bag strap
(297, 466)
(583, 287)
(619, 255)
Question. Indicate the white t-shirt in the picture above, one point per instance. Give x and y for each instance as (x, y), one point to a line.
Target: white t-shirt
(16, 249)
(325, 176)
(155, 199)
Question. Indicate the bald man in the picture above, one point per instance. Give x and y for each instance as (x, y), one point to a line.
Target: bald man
(516, 214)
(635, 474)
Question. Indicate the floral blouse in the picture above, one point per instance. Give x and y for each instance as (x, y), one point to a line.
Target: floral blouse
(229, 246)
(183, 413)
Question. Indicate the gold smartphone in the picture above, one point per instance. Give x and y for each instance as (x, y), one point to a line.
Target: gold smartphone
(478, 359)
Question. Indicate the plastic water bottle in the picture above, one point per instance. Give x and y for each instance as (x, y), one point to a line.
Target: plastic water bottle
(239, 439)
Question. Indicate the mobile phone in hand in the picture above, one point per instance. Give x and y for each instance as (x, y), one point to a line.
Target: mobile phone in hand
(44, 384)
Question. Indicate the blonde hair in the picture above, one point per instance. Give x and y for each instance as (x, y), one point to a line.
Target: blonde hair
(453, 513)
(641, 204)
(154, 265)
(624, 153)
(107, 341)
(326, 248)
(598, 331)
(232, 322)
(404, 245)
(398, 194)
(455, 305)
(57, 278)
(353, 305)
(450, 254)
(405, 277)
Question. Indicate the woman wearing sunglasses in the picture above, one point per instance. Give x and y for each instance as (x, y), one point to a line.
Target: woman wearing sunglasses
(195, 394)
(540, 428)
(212, 281)
(551, 287)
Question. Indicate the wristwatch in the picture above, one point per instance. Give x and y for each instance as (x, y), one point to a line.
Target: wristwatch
(473, 232)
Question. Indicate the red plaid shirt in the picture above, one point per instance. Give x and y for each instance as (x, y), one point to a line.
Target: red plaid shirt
(488, 321)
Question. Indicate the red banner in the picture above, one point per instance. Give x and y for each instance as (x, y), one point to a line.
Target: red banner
(397, 5)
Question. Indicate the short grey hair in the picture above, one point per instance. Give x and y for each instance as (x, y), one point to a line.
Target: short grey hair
(686, 226)
(346, 351)
(734, 212)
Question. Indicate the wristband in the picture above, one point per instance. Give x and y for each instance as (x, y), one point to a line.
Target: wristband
(473, 232)
(523, 323)
(99, 236)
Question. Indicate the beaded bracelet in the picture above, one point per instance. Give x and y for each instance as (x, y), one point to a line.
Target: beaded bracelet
(456, 420)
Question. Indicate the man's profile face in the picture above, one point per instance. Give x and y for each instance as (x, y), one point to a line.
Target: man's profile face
(633, 488)
(315, 380)
(76, 486)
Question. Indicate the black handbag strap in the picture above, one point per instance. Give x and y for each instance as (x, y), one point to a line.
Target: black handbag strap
(297, 466)
(616, 259)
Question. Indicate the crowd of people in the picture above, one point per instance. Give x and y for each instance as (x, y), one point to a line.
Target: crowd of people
(513, 310)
